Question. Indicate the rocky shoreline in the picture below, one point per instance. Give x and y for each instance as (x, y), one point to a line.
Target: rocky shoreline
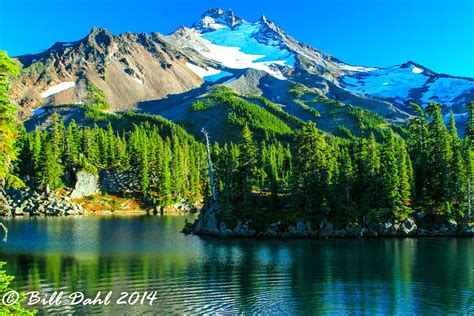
(20, 202)
(29, 202)
(207, 224)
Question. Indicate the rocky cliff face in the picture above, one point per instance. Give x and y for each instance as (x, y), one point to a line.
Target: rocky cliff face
(86, 184)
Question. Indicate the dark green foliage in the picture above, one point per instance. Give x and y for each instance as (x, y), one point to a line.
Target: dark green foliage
(308, 108)
(298, 90)
(168, 168)
(276, 110)
(14, 309)
(351, 181)
(470, 123)
(242, 112)
(8, 123)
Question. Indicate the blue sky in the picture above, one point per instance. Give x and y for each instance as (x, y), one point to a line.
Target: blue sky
(438, 34)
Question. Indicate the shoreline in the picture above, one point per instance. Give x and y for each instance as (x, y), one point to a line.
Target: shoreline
(30, 203)
(207, 224)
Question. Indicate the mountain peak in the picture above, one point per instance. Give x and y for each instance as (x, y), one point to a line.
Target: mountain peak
(216, 18)
(99, 36)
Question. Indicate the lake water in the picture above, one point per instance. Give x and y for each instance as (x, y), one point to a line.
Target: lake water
(207, 275)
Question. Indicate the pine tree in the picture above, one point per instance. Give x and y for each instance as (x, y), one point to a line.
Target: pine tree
(457, 174)
(470, 121)
(438, 160)
(419, 155)
(369, 180)
(36, 149)
(51, 169)
(345, 185)
(72, 144)
(247, 163)
(111, 146)
(390, 173)
(8, 123)
(405, 174)
(145, 176)
(165, 187)
(311, 172)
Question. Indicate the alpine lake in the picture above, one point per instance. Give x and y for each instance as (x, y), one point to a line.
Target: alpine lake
(163, 271)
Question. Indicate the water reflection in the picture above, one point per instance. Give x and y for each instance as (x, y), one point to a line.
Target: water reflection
(195, 275)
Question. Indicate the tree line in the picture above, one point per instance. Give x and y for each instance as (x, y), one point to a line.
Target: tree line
(352, 180)
(169, 167)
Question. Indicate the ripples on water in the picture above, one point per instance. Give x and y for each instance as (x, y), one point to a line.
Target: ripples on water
(195, 275)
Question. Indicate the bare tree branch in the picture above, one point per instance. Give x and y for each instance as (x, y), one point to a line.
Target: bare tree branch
(209, 165)
(5, 237)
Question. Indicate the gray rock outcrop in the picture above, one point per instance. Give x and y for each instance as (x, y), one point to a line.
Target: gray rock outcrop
(86, 184)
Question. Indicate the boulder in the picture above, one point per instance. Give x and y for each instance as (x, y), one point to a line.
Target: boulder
(18, 211)
(209, 223)
(86, 184)
(270, 232)
(467, 230)
(224, 231)
(301, 227)
(408, 228)
(326, 229)
(452, 225)
(354, 230)
(388, 229)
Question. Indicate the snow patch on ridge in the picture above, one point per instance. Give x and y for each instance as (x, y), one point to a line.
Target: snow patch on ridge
(209, 74)
(355, 68)
(140, 81)
(209, 22)
(417, 70)
(58, 88)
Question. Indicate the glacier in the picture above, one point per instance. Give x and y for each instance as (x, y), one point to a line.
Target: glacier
(237, 48)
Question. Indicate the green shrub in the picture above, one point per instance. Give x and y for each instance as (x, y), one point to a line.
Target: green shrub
(14, 309)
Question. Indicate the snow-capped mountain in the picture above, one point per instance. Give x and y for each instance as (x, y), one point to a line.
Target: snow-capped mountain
(409, 82)
(220, 48)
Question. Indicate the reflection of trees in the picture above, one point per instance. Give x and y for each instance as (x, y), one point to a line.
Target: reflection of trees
(192, 275)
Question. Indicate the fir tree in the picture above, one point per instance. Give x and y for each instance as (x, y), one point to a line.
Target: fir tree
(8, 123)
(247, 163)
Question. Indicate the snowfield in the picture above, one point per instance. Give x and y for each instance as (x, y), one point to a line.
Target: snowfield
(58, 88)
(209, 74)
(399, 83)
(393, 82)
(237, 48)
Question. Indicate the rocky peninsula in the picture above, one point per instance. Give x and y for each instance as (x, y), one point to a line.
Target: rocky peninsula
(209, 224)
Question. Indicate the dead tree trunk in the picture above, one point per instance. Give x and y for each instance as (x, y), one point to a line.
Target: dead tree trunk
(468, 214)
(209, 165)
(5, 230)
